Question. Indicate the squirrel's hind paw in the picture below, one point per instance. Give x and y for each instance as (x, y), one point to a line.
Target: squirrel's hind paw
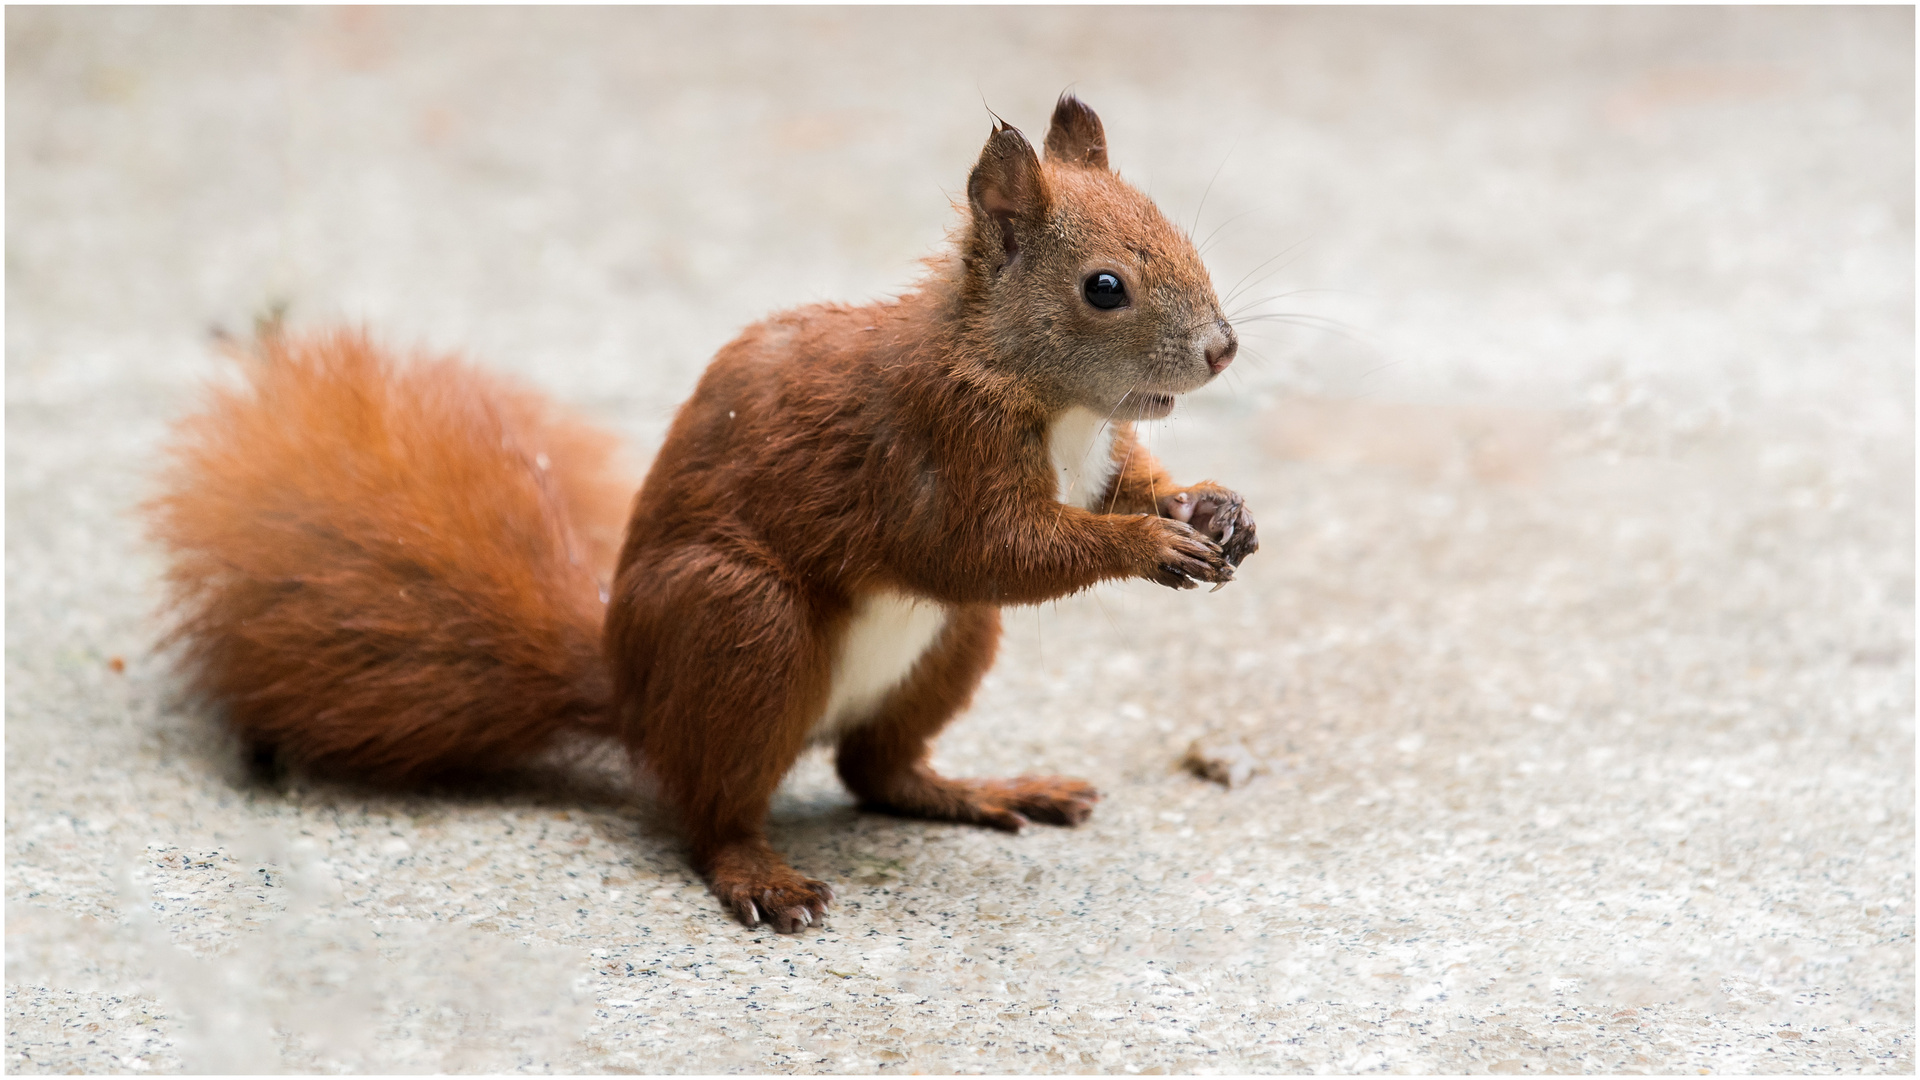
(1054, 800)
(1008, 805)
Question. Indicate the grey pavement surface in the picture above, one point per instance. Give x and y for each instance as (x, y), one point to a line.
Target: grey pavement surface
(1575, 675)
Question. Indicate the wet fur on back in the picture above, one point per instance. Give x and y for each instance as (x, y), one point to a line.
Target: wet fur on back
(391, 570)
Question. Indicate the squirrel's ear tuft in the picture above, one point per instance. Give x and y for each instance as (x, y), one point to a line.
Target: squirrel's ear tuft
(1076, 137)
(1006, 188)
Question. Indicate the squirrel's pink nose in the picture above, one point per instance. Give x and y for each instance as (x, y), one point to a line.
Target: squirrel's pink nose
(1221, 350)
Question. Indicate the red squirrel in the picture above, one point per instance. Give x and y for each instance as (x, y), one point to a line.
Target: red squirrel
(399, 571)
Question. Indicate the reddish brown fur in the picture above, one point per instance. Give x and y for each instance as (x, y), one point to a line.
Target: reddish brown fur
(833, 452)
(372, 571)
(374, 574)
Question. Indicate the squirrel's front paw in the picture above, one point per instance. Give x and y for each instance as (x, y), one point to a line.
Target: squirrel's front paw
(787, 904)
(757, 886)
(1218, 514)
(1184, 558)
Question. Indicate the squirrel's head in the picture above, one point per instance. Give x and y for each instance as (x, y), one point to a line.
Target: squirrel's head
(1087, 292)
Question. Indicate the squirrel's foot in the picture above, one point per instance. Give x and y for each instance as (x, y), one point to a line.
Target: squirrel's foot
(1218, 514)
(757, 885)
(1002, 804)
(1184, 557)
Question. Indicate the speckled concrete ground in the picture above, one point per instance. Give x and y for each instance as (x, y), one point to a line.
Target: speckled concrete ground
(1577, 662)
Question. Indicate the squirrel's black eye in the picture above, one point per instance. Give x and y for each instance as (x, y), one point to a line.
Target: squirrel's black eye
(1104, 290)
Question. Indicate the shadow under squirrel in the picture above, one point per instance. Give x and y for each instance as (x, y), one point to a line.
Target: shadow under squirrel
(396, 571)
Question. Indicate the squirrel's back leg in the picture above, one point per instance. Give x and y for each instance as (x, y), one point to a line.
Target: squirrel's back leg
(884, 761)
(719, 666)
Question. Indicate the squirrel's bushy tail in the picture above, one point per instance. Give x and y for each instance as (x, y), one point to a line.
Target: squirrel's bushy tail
(389, 570)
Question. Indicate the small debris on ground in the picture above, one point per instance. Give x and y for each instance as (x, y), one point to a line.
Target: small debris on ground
(1226, 762)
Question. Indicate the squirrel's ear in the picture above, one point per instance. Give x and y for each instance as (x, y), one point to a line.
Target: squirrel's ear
(1076, 137)
(1004, 188)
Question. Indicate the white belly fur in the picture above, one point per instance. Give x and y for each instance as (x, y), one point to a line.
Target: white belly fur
(885, 638)
(888, 632)
(1080, 442)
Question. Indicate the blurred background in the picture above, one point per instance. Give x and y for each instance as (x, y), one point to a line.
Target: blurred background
(1571, 694)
